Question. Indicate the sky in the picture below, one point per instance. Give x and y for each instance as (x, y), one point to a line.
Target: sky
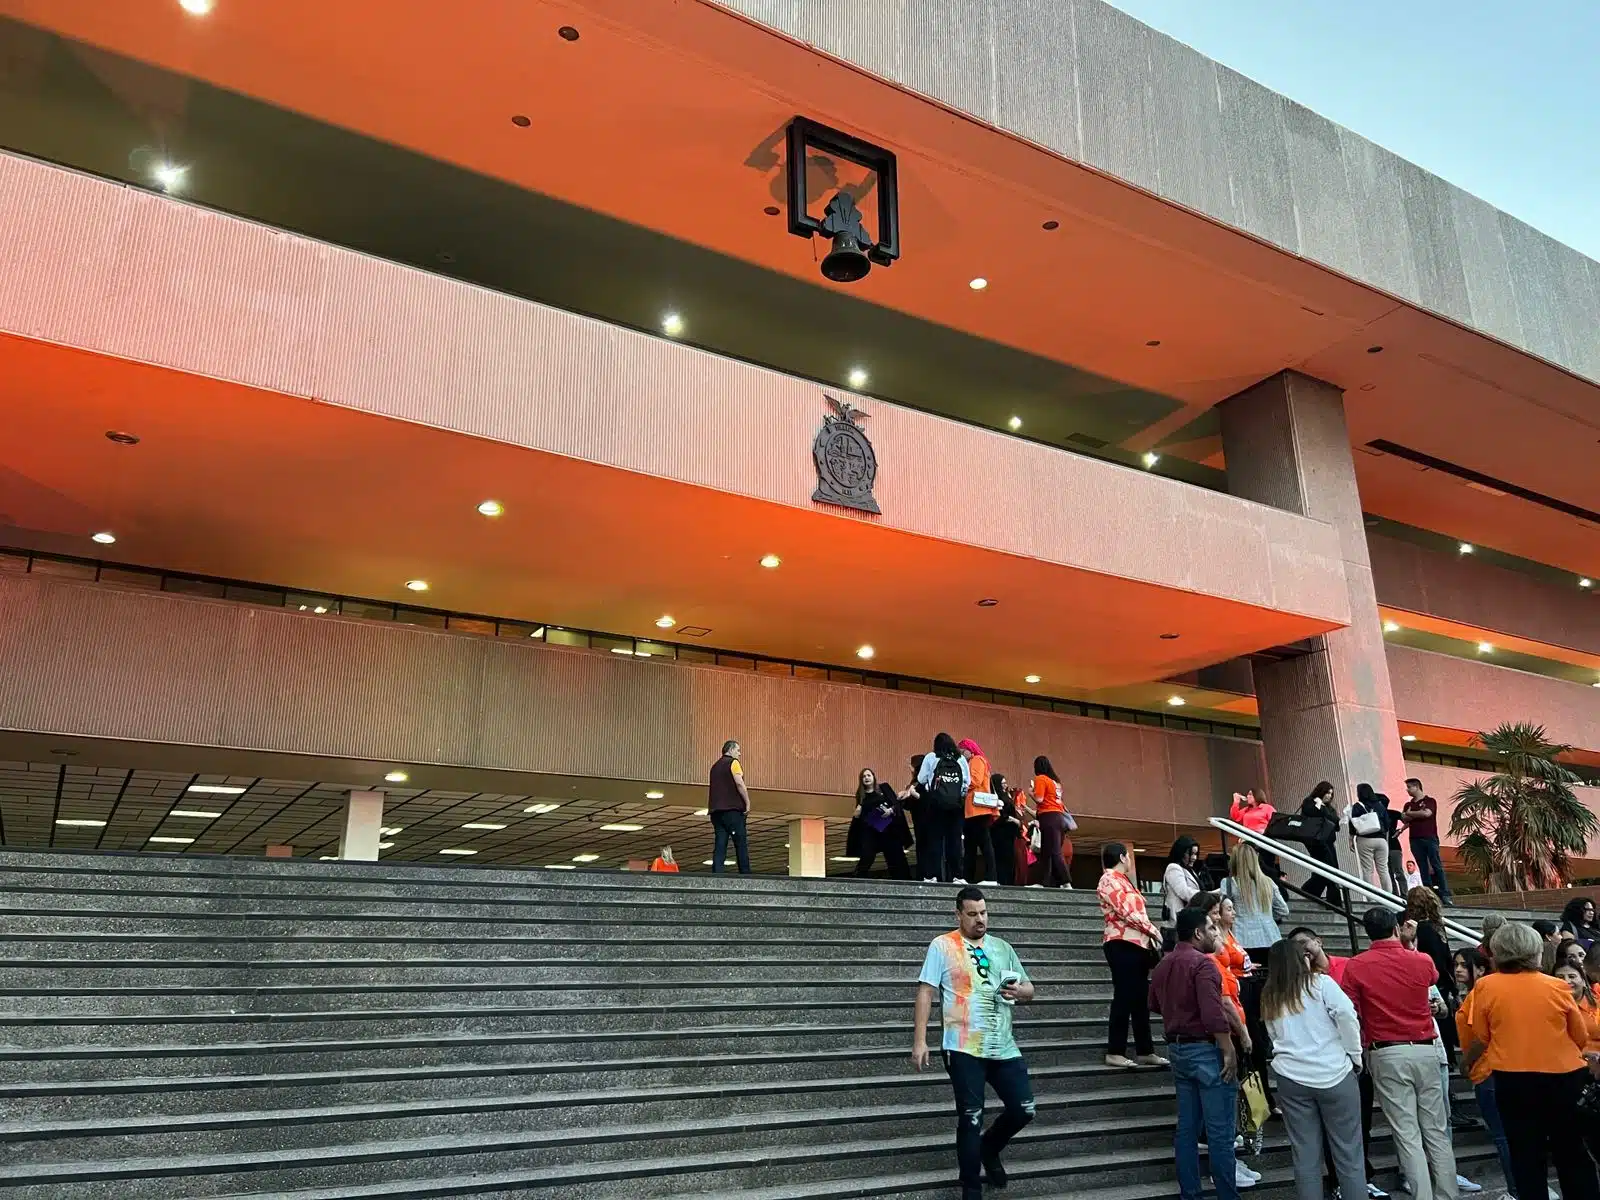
(1500, 99)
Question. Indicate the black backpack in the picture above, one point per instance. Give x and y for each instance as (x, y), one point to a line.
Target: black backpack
(945, 788)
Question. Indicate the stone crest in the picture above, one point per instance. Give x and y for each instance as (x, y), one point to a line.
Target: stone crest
(846, 465)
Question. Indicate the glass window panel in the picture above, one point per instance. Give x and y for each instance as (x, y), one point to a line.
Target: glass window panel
(420, 616)
(471, 625)
(566, 637)
(367, 610)
(186, 586)
(246, 594)
(63, 569)
(126, 577)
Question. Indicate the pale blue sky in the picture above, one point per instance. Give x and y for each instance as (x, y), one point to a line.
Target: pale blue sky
(1502, 99)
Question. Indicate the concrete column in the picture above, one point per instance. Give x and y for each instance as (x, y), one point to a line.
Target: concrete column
(808, 847)
(363, 827)
(1328, 714)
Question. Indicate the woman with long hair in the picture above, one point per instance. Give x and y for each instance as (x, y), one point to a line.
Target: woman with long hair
(1316, 1042)
(1320, 804)
(1258, 902)
(1128, 942)
(1469, 966)
(982, 807)
(1179, 883)
(1054, 821)
(881, 826)
(1529, 1030)
(1578, 919)
(1422, 906)
(1007, 828)
(1371, 843)
(944, 780)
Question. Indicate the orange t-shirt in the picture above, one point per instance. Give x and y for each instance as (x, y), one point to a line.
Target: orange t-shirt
(1231, 960)
(1480, 1069)
(1591, 1020)
(1529, 1022)
(978, 772)
(1047, 795)
(662, 864)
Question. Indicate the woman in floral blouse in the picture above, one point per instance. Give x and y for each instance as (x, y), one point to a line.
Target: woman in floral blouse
(1129, 938)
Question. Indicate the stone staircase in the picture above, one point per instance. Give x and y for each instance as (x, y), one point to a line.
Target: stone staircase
(180, 1027)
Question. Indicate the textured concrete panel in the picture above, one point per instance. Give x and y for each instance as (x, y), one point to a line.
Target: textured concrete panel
(1115, 92)
(155, 667)
(1485, 267)
(1186, 123)
(1464, 588)
(1461, 693)
(1257, 147)
(1036, 77)
(1373, 175)
(1535, 269)
(1435, 248)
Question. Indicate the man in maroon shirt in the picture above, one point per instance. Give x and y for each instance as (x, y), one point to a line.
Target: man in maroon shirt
(1186, 989)
(1388, 984)
(1421, 817)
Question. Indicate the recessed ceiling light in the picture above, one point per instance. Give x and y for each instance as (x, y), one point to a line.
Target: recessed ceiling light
(169, 175)
(1051, 225)
(1464, 548)
(986, 602)
(701, 812)
(559, 867)
(857, 377)
(771, 562)
(1485, 647)
(622, 650)
(585, 858)
(122, 439)
(327, 858)
(198, 8)
(540, 809)
(706, 862)
(1391, 626)
(482, 825)
(81, 822)
(1408, 737)
(491, 508)
(216, 789)
(622, 828)
(1176, 701)
(417, 585)
(457, 851)
(1585, 583)
(865, 652)
(385, 845)
(978, 284)
(665, 622)
(1030, 679)
(844, 858)
(568, 33)
(654, 795)
(396, 777)
(1014, 424)
(173, 841)
(1374, 349)
(1170, 637)
(522, 120)
(1153, 342)
(198, 814)
(105, 539)
(1596, 683)
(672, 324)
(1150, 458)
(391, 830)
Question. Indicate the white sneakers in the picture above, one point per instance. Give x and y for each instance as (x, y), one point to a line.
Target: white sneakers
(1463, 1184)
(1243, 1176)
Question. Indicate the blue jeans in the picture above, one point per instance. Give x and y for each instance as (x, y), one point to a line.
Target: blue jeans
(1203, 1098)
(728, 823)
(1491, 1117)
(1426, 851)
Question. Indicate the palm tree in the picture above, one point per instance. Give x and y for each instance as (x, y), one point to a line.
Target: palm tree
(1519, 827)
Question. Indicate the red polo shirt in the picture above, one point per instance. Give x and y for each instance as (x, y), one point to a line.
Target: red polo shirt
(1389, 986)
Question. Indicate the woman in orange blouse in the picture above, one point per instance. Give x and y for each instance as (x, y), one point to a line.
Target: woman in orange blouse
(1054, 821)
(1129, 938)
(1470, 966)
(1583, 997)
(1527, 1028)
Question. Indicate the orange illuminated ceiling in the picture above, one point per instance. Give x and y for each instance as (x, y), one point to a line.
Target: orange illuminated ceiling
(234, 482)
(669, 116)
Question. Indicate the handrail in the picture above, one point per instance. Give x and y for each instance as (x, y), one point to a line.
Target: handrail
(1297, 856)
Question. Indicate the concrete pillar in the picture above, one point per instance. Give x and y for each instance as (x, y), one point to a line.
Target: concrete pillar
(808, 847)
(1328, 714)
(363, 827)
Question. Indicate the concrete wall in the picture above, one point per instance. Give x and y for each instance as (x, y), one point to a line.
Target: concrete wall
(1460, 693)
(1088, 81)
(98, 661)
(1459, 587)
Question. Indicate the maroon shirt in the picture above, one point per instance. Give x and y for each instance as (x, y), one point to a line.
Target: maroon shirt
(1186, 990)
(1426, 825)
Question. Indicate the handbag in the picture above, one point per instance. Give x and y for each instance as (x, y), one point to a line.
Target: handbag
(986, 800)
(1367, 824)
(1072, 826)
(1253, 1107)
(1308, 830)
(1036, 839)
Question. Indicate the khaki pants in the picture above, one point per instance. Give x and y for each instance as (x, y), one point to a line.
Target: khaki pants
(1406, 1079)
(1372, 858)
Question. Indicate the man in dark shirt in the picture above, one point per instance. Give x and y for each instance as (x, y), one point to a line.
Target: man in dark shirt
(727, 802)
(1421, 815)
(1186, 990)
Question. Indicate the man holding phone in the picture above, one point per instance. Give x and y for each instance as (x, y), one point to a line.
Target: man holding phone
(978, 979)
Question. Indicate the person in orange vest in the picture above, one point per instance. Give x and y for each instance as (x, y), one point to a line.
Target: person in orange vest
(982, 808)
(664, 861)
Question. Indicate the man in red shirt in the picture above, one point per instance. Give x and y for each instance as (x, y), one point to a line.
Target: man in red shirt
(1389, 986)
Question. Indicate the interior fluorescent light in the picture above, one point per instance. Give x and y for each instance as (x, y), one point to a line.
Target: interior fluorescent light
(585, 857)
(199, 814)
(457, 851)
(654, 795)
(844, 858)
(82, 822)
(621, 828)
(1408, 737)
(559, 867)
(396, 777)
(541, 808)
(702, 812)
(1391, 626)
(391, 830)
(1176, 701)
(217, 789)
(482, 825)
(173, 841)
(385, 845)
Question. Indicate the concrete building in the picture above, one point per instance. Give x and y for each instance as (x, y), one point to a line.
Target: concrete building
(410, 430)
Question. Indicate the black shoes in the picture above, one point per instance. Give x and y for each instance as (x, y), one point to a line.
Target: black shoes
(993, 1173)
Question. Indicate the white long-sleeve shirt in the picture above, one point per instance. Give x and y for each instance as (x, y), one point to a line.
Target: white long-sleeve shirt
(1178, 887)
(1319, 1045)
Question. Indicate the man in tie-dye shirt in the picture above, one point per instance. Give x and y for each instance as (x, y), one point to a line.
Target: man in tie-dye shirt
(978, 979)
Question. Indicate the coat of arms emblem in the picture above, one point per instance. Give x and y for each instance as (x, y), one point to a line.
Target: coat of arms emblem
(846, 465)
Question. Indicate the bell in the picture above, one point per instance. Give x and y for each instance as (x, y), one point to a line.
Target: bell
(847, 261)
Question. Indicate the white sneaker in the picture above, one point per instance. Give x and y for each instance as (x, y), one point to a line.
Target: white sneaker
(988, 883)
(1037, 885)
(1463, 1184)
(959, 882)
(1376, 1192)
(1243, 1176)
(930, 879)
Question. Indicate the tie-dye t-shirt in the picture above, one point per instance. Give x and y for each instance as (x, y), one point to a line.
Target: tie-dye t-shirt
(968, 974)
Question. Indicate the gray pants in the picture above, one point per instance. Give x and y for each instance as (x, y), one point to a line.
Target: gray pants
(1307, 1113)
(1372, 861)
(1406, 1080)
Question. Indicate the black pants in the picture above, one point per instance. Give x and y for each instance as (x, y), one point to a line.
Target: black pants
(728, 824)
(1317, 885)
(943, 844)
(1330, 1176)
(1540, 1113)
(1250, 1000)
(894, 854)
(1397, 869)
(1009, 1079)
(1004, 836)
(1052, 832)
(979, 833)
(1130, 997)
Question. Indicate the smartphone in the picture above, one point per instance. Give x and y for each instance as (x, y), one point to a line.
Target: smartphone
(1007, 978)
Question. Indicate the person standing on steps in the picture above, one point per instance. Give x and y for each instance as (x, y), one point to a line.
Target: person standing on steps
(1320, 804)
(727, 803)
(944, 780)
(880, 825)
(982, 807)
(1179, 883)
(1129, 943)
(1186, 990)
(1421, 817)
(1369, 837)
(1054, 824)
(979, 979)
(1007, 829)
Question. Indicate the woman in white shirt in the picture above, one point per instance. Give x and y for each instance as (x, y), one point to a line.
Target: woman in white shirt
(1316, 1053)
(1179, 884)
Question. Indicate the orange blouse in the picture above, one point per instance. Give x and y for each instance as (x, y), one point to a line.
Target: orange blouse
(1231, 959)
(1122, 905)
(1528, 1022)
(1480, 1069)
(1047, 795)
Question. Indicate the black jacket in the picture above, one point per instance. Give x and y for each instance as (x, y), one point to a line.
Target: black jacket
(1310, 807)
(897, 833)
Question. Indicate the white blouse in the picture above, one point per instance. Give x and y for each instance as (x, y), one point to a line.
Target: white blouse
(1319, 1045)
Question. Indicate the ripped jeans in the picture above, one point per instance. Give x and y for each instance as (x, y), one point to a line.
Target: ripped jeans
(1009, 1079)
